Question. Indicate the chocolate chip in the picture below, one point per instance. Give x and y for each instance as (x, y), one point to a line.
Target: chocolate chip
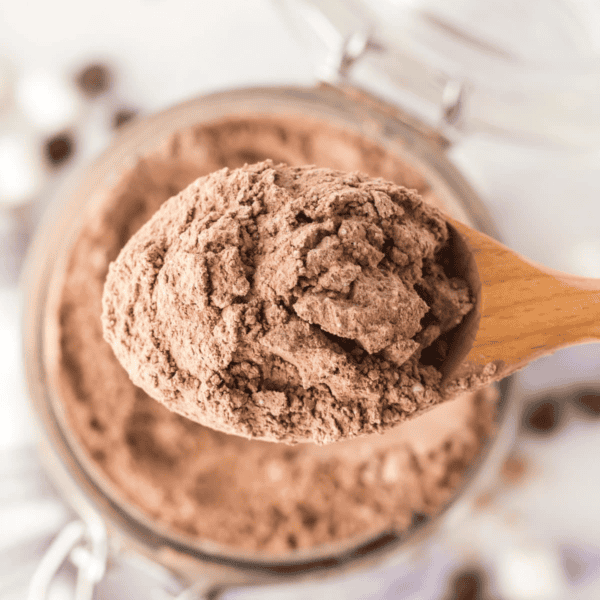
(59, 148)
(122, 116)
(542, 416)
(94, 79)
(467, 585)
(589, 403)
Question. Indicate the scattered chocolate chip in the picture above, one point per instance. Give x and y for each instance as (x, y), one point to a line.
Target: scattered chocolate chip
(59, 148)
(542, 416)
(122, 116)
(467, 585)
(589, 403)
(94, 79)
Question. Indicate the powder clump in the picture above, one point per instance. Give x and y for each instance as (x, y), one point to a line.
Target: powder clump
(287, 303)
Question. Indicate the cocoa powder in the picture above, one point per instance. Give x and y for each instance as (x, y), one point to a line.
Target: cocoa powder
(286, 303)
(244, 494)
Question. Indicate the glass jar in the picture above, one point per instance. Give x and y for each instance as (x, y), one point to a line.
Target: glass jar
(112, 528)
(527, 72)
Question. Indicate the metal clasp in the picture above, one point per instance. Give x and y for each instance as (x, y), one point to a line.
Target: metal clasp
(453, 99)
(85, 545)
(344, 56)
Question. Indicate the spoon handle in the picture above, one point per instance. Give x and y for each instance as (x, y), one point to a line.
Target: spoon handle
(527, 310)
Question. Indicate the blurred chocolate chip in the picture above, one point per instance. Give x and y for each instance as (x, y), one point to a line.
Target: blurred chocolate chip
(122, 116)
(58, 149)
(542, 416)
(467, 585)
(94, 79)
(589, 403)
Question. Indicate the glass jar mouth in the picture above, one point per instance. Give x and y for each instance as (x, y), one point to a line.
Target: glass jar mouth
(509, 71)
(86, 488)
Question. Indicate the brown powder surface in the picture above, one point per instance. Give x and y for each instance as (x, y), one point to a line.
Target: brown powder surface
(287, 303)
(242, 493)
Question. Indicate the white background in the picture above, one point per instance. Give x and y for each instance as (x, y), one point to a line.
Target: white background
(545, 203)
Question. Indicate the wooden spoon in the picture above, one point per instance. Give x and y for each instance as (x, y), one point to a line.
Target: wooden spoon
(523, 310)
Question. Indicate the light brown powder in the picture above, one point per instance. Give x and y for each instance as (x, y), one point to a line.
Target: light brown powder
(245, 494)
(287, 303)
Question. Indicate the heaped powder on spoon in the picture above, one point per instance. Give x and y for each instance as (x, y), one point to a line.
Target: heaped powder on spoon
(287, 303)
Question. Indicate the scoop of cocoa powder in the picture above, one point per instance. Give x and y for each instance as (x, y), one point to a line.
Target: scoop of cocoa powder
(288, 303)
